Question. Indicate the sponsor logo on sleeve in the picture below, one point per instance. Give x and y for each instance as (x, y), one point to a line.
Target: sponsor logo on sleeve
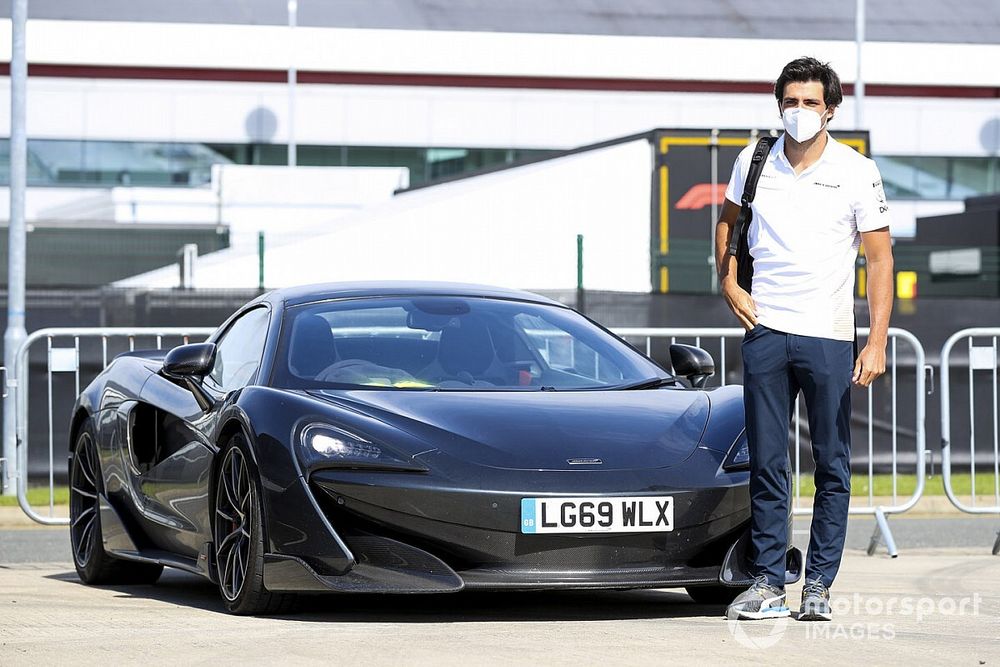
(883, 207)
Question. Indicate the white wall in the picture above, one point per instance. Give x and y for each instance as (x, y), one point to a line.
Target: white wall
(255, 198)
(490, 53)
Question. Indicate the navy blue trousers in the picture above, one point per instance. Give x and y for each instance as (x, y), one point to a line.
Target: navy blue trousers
(776, 366)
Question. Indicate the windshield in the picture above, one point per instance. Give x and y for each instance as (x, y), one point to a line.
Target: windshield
(450, 343)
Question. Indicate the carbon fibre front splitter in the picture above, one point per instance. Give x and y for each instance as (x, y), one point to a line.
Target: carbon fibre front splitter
(291, 574)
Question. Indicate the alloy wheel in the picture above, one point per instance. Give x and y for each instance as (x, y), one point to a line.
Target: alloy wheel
(83, 503)
(233, 522)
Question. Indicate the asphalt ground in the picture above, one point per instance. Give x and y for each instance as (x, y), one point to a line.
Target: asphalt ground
(939, 602)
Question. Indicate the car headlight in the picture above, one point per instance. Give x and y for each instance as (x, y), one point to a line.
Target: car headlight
(326, 446)
(739, 454)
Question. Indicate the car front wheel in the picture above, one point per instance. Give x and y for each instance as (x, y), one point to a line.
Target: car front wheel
(239, 535)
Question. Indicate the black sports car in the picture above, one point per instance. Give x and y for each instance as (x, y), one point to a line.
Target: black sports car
(410, 438)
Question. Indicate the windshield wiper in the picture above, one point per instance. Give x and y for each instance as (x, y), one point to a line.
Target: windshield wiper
(650, 383)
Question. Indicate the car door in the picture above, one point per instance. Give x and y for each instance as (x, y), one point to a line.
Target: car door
(174, 479)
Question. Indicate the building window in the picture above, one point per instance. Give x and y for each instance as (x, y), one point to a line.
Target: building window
(947, 178)
(72, 163)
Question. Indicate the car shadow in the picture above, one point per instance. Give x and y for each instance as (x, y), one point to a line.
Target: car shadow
(183, 589)
(474, 607)
(174, 587)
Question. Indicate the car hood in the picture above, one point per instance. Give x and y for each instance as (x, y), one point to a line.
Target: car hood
(544, 430)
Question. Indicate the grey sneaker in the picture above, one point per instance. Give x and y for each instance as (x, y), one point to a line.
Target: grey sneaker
(761, 600)
(815, 602)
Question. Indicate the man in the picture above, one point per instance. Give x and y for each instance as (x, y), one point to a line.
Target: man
(816, 201)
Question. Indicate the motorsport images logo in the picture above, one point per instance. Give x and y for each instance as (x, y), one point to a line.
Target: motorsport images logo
(878, 614)
(758, 634)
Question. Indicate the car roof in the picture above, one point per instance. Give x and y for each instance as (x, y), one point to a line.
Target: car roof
(292, 296)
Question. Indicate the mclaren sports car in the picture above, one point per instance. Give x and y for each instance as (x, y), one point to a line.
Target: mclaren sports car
(410, 438)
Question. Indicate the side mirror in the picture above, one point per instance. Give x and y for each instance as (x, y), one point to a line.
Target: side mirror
(693, 363)
(187, 361)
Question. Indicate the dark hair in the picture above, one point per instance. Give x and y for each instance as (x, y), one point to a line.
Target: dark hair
(802, 70)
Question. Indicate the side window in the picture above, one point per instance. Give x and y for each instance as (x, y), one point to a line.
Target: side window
(239, 352)
(564, 351)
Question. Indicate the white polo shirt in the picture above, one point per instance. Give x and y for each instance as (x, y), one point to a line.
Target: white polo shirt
(805, 235)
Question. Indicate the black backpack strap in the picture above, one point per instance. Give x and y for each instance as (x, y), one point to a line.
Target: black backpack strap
(760, 153)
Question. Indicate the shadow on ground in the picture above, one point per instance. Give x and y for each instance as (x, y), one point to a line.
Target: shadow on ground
(180, 588)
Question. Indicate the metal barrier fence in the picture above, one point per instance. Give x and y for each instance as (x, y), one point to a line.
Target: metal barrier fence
(980, 360)
(68, 360)
(879, 510)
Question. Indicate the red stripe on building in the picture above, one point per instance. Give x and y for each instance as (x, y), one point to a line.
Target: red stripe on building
(474, 81)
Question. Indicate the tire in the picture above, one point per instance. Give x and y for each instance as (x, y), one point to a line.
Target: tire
(238, 533)
(93, 564)
(712, 594)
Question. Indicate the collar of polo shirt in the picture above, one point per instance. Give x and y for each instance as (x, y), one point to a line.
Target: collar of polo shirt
(830, 154)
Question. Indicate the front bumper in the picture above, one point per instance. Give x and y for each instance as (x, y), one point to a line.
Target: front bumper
(414, 534)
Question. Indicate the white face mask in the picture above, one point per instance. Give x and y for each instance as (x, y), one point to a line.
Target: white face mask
(801, 124)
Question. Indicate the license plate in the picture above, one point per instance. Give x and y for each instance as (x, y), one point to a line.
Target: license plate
(631, 514)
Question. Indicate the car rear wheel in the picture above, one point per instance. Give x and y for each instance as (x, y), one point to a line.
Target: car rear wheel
(712, 594)
(239, 536)
(93, 563)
